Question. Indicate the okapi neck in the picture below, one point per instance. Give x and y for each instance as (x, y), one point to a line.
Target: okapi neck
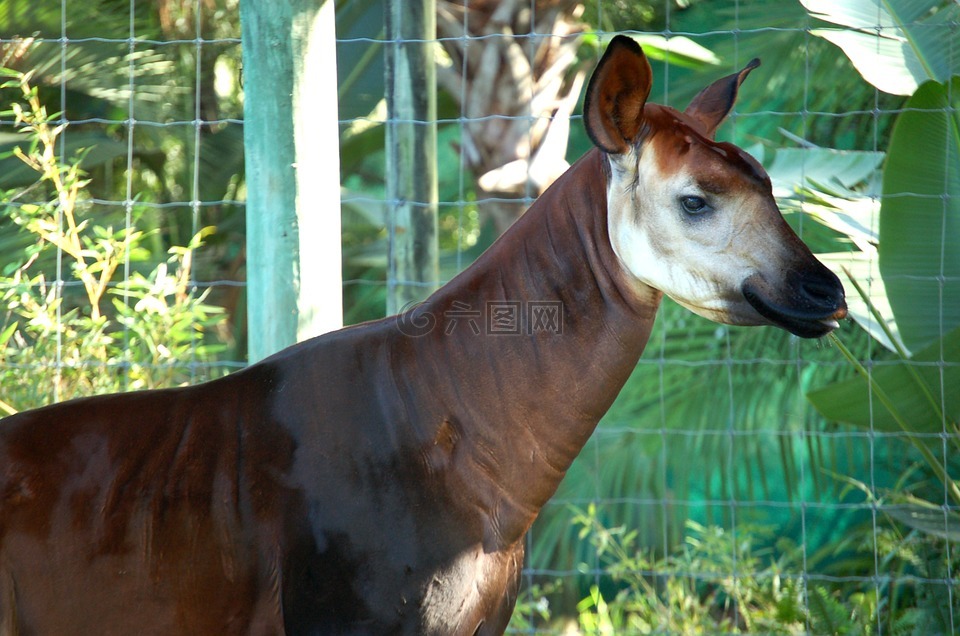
(530, 399)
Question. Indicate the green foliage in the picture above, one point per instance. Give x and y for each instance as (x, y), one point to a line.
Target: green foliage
(622, 15)
(139, 340)
(908, 43)
(715, 581)
(802, 79)
(533, 607)
(896, 45)
(754, 580)
(914, 390)
(132, 86)
(917, 395)
(99, 62)
(911, 305)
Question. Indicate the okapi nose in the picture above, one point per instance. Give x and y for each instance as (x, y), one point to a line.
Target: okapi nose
(823, 291)
(810, 304)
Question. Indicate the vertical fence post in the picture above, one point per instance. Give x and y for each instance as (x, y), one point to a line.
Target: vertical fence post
(291, 139)
(411, 139)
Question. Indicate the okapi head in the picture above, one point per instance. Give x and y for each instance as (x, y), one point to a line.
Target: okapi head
(694, 218)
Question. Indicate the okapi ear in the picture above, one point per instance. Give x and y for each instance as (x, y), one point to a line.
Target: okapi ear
(712, 105)
(618, 89)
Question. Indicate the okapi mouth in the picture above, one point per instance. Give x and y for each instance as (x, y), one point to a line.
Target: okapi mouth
(810, 307)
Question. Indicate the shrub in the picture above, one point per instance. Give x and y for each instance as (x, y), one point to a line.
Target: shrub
(156, 329)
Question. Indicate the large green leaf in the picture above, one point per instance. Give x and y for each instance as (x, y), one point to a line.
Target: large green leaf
(896, 45)
(852, 402)
(920, 215)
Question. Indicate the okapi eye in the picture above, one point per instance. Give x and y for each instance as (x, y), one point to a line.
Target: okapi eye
(694, 205)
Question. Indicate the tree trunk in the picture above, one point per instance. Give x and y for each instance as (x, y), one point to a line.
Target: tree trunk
(516, 76)
(291, 138)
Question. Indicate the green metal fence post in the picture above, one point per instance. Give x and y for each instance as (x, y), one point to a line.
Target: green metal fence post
(291, 138)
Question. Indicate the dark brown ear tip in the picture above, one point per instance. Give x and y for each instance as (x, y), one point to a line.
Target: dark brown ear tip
(626, 41)
(752, 64)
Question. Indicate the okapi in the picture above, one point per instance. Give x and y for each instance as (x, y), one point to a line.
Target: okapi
(381, 478)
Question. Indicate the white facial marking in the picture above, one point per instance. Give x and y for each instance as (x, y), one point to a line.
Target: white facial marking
(699, 259)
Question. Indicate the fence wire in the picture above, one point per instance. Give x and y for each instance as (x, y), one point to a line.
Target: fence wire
(146, 100)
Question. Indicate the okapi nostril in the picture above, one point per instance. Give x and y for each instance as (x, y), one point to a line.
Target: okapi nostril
(819, 291)
(824, 293)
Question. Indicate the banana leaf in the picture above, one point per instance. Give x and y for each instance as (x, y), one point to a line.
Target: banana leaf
(919, 247)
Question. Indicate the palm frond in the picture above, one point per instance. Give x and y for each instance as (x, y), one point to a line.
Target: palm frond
(98, 59)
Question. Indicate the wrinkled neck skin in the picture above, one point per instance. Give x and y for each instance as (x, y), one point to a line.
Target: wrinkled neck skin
(524, 405)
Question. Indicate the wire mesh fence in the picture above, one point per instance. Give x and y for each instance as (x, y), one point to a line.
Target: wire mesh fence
(131, 153)
(745, 480)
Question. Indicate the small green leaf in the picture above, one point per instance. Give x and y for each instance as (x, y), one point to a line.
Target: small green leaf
(7, 334)
(928, 519)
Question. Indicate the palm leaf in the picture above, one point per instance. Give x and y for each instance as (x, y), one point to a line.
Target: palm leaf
(98, 63)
